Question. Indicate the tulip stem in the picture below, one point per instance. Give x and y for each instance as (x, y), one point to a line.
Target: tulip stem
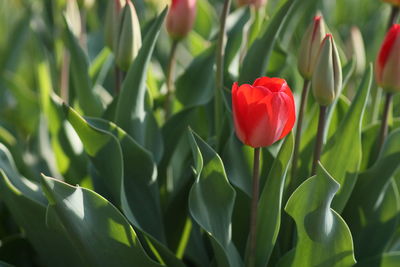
(320, 138)
(253, 208)
(170, 79)
(384, 125)
(393, 16)
(219, 79)
(303, 102)
(118, 79)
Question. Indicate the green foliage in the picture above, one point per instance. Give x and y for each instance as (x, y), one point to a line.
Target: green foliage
(133, 186)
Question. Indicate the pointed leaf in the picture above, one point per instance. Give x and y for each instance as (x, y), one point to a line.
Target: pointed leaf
(100, 232)
(323, 236)
(269, 207)
(211, 201)
(342, 154)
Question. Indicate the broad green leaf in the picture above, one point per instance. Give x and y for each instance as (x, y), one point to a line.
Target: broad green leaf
(373, 208)
(127, 169)
(342, 154)
(391, 259)
(211, 201)
(99, 231)
(27, 205)
(129, 173)
(323, 238)
(270, 203)
(195, 86)
(79, 67)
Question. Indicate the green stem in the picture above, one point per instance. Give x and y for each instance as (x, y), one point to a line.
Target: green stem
(219, 79)
(384, 125)
(303, 103)
(170, 79)
(118, 79)
(320, 139)
(253, 208)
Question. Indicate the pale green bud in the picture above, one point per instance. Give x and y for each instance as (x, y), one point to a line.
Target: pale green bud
(356, 49)
(113, 13)
(129, 38)
(309, 47)
(327, 76)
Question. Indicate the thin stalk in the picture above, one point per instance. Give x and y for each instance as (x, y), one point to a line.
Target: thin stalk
(320, 138)
(393, 16)
(170, 79)
(219, 79)
(64, 79)
(303, 103)
(118, 79)
(253, 209)
(384, 125)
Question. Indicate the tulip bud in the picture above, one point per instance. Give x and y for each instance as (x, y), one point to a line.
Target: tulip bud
(327, 77)
(355, 48)
(73, 17)
(180, 18)
(393, 2)
(113, 12)
(388, 61)
(256, 3)
(264, 112)
(129, 38)
(309, 47)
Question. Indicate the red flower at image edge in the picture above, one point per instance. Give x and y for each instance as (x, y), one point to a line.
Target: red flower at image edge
(264, 112)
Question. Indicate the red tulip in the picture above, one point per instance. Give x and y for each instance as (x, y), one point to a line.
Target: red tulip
(388, 61)
(264, 112)
(181, 17)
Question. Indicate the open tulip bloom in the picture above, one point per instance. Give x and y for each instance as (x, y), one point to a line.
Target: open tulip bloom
(263, 113)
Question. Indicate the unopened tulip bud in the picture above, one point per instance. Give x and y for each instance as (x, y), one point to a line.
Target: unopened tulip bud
(73, 17)
(113, 13)
(327, 76)
(393, 2)
(356, 49)
(180, 18)
(256, 3)
(388, 61)
(129, 38)
(309, 47)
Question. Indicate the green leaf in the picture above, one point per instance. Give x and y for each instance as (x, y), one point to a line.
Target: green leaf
(211, 201)
(342, 154)
(391, 259)
(270, 203)
(323, 236)
(79, 67)
(131, 112)
(100, 232)
(128, 170)
(257, 57)
(206, 19)
(195, 86)
(373, 208)
(26, 203)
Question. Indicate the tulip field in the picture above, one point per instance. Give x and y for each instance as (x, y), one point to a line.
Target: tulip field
(197, 133)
